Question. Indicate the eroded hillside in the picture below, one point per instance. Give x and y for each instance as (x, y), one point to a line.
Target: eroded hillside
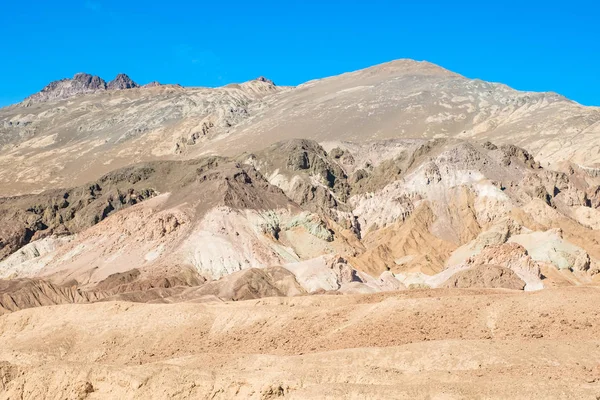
(395, 232)
(339, 217)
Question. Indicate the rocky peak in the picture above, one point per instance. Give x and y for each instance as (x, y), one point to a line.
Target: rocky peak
(85, 81)
(121, 82)
(265, 80)
(81, 83)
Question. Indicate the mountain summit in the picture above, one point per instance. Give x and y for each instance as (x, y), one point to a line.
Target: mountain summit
(121, 82)
(395, 100)
(81, 83)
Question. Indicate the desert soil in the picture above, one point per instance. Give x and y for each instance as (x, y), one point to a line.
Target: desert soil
(416, 344)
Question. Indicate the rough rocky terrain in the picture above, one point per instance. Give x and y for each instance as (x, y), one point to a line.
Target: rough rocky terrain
(349, 237)
(432, 209)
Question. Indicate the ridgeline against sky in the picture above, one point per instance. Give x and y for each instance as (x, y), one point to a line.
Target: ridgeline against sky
(527, 45)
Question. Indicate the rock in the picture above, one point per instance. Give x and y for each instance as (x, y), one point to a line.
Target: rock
(121, 82)
(511, 151)
(345, 273)
(489, 145)
(81, 83)
(511, 256)
(550, 247)
(87, 81)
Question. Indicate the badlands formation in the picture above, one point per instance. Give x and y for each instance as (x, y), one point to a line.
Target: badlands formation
(395, 232)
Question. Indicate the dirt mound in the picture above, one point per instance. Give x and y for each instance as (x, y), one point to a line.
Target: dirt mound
(253, 283)
(249, 284)
(512, 256)
(136, 281)
(486, 276)
(19, 294)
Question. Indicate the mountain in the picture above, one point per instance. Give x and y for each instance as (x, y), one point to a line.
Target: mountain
(162, 168)
(63, 141)
(75, 136)
(475, 205)
(121, 82)
(80, 84)
(355, 217)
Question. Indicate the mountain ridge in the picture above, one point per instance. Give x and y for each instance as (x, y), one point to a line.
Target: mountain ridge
(81, 83)
(166, 233)
(118, 127)
(402, 63)
(403, 168)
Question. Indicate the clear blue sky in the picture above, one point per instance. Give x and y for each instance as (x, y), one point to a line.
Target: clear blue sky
(529, 45)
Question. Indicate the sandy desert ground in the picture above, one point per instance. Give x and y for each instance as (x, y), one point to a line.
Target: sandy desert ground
(417, 344)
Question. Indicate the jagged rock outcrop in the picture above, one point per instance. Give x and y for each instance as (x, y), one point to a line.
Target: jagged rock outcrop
(307, 175)
(263, 79)
(62, 212)
(121, 82)
(81, 83)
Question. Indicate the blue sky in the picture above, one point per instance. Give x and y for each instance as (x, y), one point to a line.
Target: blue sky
(529, 45)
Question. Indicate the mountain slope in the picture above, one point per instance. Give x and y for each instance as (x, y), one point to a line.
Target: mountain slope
(134, 221)
(342, 216)
(408, 99)
(72, 140)
(60, 142)
(355, 218)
